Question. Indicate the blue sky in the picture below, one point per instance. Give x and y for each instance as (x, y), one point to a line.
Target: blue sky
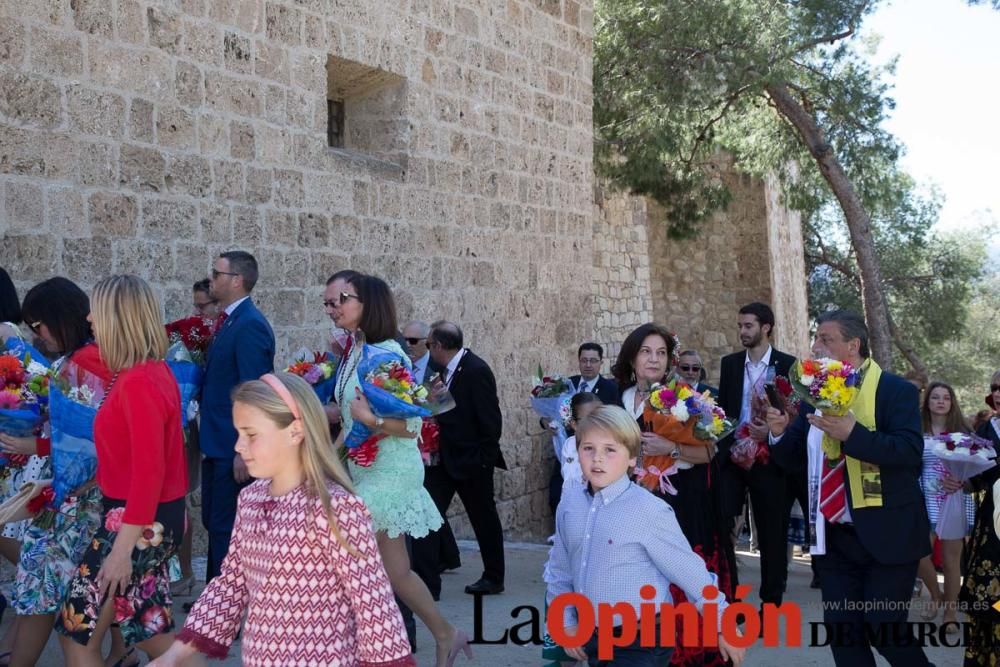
(947, 92)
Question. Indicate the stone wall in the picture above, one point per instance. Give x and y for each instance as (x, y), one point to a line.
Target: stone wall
(148, 136)
(752, 251)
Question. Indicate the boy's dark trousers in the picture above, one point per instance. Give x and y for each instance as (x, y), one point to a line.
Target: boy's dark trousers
(632, 655)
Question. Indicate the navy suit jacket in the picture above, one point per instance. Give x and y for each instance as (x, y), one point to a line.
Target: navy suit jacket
(243, 349)
(606, 389)
(898, 532)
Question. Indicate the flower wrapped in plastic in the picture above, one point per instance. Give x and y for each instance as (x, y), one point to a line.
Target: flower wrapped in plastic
(826, 384)
(746, 451)
(392, 393)
(319, 369)
(24, 390)
(75, 395)
(677, 412)
(964, 456)
(188, 373)
(550, 396)
(194, 333)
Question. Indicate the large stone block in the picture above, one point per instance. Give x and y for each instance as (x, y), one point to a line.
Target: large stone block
(165, 29)
(12, 48)
(188, 82)
(228, 179)
(247, 227)
(24, 206)
(86, 260)
(145, 72)
(150, 260)
(176, 128)
(169, 219)
(228, 94)
(189, 174)
(142, 120)
(241, 138)
(141, 168)
(29, 100)
(281, 228)
(43, 11)
(216, 223)
(29, 257)
(238, 53)
(66, 213)
(95, 112)
(314, 230)
(94, 16)
(113, 214)
(284, 24)
(54, 52)
(259, 185)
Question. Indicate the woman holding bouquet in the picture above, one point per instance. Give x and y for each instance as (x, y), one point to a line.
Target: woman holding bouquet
(941, 414)
(982, 576)
(142, 474)
(391, 485)
(645, 358)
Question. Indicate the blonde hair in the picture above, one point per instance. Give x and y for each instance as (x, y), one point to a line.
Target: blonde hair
(127, 322)
(319, 460)
(617, 423)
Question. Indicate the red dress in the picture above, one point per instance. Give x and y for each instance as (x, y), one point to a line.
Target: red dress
(309, 601)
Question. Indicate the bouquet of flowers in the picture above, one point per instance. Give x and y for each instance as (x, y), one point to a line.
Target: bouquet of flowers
(429, 442)
(550, 396)
(75, 395)
(189, 375)
(826, 384)
(677, 412)
(964, 455)
(318, 369)
(746, 451)
(392, 393)
(24, 390)
(194, 333)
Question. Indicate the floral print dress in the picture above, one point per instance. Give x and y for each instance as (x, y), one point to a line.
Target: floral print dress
(145, 608)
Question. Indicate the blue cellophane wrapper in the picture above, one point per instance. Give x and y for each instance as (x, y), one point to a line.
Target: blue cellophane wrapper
(382, 403)
(188, 374)
(324, 389)
(25, 421)
(74, 457)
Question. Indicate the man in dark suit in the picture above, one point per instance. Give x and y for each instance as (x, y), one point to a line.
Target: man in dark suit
(743, 376)
(590, 356)
(242, 349)
(870, 514)
(470, 450)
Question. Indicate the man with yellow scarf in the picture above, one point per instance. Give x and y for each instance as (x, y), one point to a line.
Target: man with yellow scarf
(870, 526)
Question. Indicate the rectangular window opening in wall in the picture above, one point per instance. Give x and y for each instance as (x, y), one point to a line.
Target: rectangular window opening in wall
(367, 111)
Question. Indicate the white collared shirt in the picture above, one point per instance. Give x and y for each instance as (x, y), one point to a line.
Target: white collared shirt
(587, 385)
(753, 374)
(235, 304)
(420, 367)
(453, 365)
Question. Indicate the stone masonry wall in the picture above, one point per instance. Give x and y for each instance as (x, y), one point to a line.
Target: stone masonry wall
(148, 136)
(752, 251)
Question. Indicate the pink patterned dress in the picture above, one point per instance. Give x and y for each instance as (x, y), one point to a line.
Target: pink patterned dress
(309, 601)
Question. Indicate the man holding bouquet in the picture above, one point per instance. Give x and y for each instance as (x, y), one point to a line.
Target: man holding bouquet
(865, 495)
(741, 386)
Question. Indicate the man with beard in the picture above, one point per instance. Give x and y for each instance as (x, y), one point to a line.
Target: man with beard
(741, 386)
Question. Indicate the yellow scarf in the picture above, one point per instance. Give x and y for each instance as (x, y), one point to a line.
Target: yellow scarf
(865, 479)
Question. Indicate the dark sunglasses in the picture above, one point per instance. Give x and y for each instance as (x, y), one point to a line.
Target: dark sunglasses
(993, 387)
(343, 298)
(35, 326)
(688, 369)
(414, 341)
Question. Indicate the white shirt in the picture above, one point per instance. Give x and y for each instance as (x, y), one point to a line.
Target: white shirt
(569, 462)
(453, 365)
(235, 304)
(420, 367)
(587, 385)
(753, 374)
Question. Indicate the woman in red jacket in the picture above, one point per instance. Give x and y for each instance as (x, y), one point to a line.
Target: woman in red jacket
(142, 473)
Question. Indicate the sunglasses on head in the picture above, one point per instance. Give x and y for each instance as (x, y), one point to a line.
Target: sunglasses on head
(342, 298)
(687, 368)
(414, 341)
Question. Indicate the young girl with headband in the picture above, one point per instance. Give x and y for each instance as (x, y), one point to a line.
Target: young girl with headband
(303, 562)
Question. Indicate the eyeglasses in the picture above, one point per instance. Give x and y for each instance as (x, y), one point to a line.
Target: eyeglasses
(343, 298)
(993, 387)
(689, 369)
(35, 326)
(414, 341)
(216, 274)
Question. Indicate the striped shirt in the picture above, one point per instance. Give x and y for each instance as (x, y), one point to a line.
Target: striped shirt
(610, 544)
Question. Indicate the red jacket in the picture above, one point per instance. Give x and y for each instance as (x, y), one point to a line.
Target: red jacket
(140, 447)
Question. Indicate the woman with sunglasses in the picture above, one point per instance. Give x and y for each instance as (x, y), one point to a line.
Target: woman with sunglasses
(393, 485)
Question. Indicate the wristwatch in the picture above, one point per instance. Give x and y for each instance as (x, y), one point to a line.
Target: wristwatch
(378, 422)
(676, 453)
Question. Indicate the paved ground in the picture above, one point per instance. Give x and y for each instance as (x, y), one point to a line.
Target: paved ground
(525, 587)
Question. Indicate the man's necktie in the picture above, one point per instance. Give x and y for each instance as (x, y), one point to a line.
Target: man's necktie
(833, 491)
(220, 321)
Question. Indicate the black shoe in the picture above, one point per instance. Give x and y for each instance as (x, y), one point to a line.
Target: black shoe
(484, 587)
(815, 582)
(187, 607)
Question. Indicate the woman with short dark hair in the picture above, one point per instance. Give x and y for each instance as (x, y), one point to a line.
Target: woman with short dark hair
(392, 486)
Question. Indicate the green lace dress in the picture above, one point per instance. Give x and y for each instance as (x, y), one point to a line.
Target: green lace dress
(393, 486)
